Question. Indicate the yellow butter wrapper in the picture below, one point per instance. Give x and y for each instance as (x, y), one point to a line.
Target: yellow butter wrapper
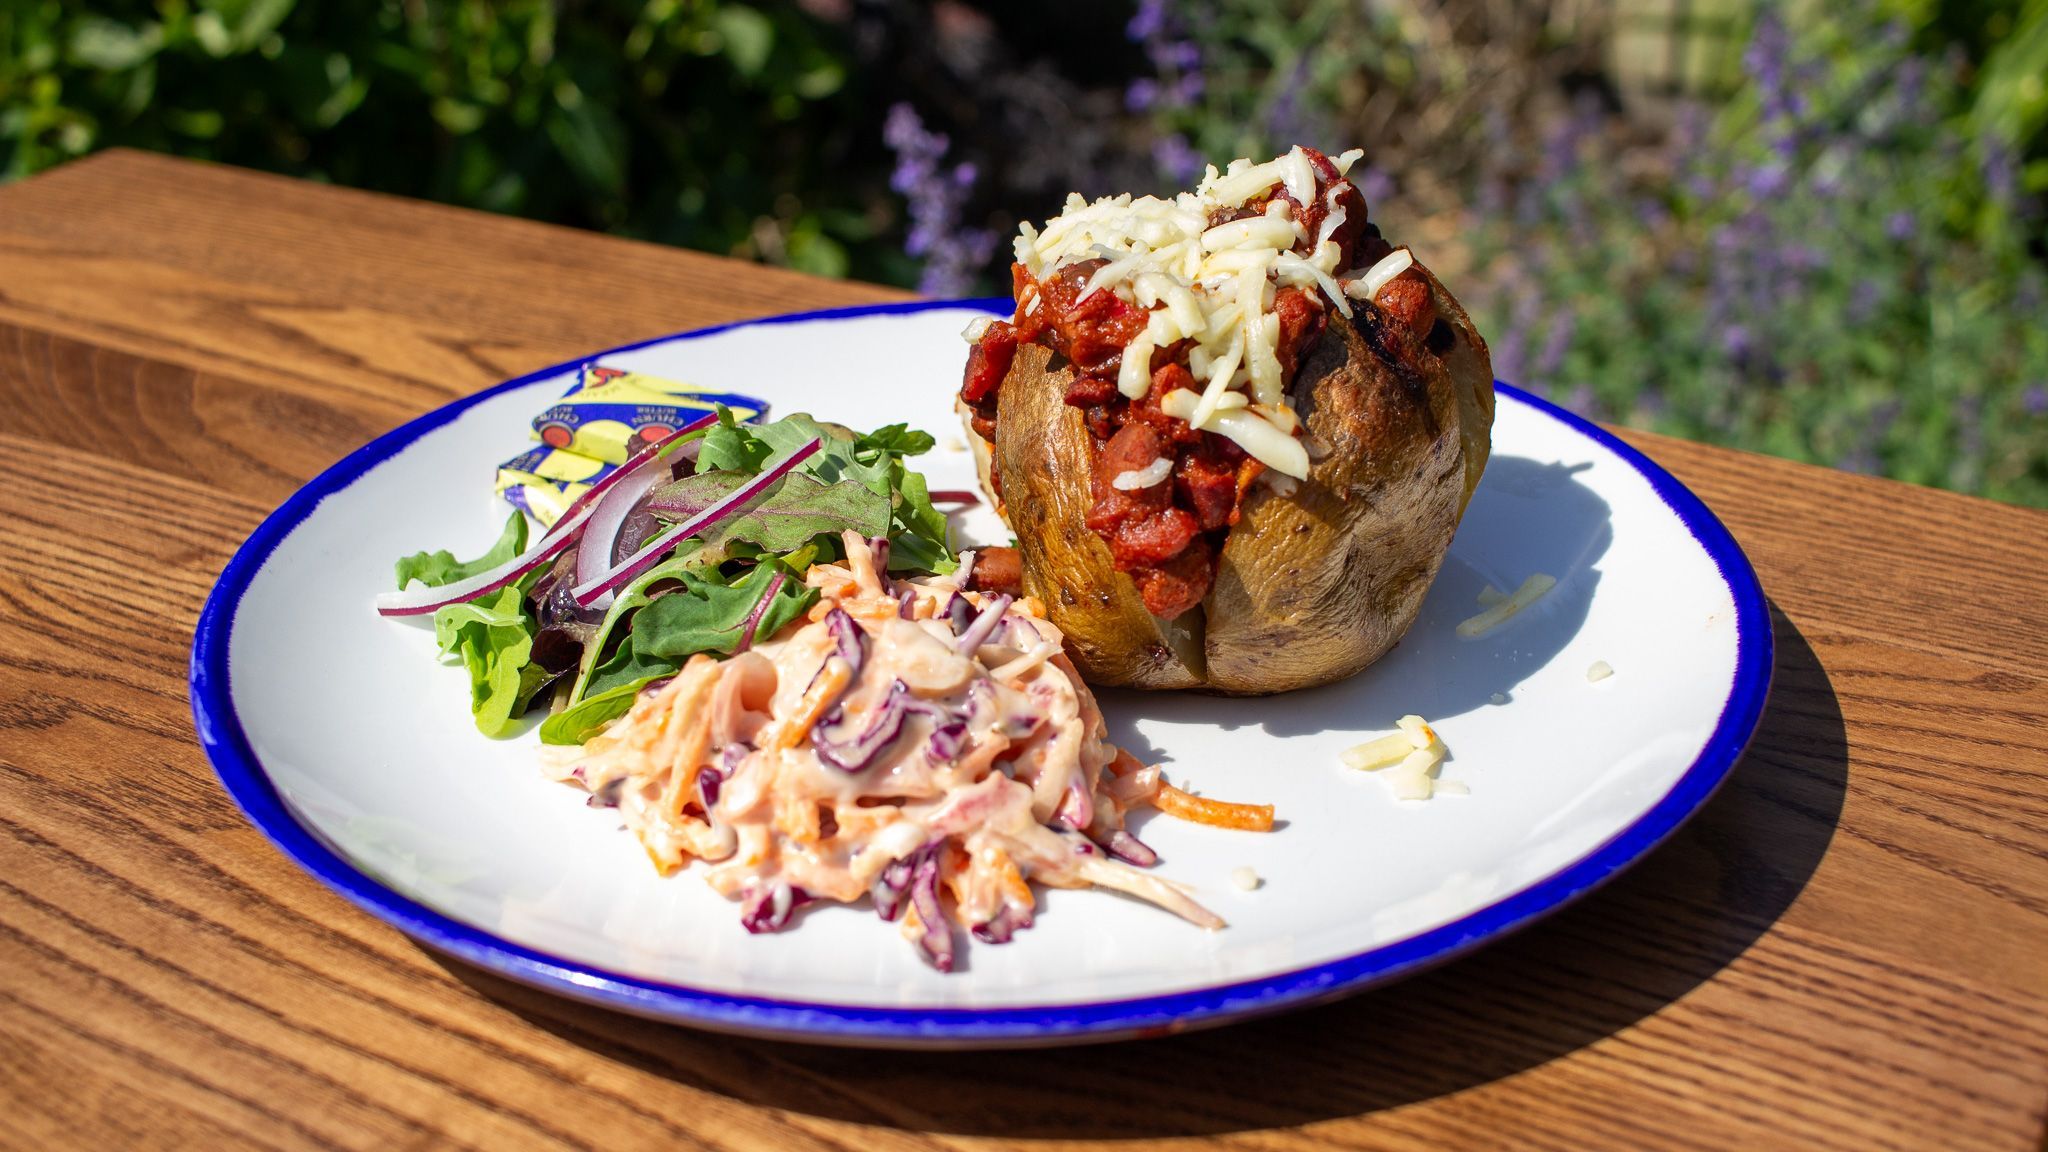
(543, 482)
(610, 411)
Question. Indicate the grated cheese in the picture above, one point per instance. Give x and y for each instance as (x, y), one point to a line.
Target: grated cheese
(1245, 879)
(1378, 276)
(1145, 477)
(1407, 759)
(1212, 285)
(1534, 587)
(1600, 670)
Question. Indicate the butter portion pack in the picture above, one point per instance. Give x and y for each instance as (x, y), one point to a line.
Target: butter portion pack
(608, 409)
(605, 416)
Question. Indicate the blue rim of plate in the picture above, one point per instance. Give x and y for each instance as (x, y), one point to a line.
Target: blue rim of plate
(242, 774)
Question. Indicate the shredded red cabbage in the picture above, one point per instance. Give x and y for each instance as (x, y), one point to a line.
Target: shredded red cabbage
(984, 625)
(849, 752)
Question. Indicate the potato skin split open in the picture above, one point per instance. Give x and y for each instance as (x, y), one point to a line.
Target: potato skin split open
(1311, 586)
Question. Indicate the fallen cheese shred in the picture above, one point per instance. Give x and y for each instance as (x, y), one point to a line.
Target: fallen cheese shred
(1407, 759)
(1499, 611)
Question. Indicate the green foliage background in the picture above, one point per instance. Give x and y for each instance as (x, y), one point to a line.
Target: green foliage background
(729, 127)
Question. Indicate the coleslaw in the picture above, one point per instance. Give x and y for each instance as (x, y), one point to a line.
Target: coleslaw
(908, 740)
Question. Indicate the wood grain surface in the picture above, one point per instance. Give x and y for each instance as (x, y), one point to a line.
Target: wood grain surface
(1847, 950)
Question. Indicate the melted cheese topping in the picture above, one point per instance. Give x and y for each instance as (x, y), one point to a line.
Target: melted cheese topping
(1214, 285)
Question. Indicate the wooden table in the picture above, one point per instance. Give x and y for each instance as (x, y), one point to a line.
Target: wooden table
(1847, 949)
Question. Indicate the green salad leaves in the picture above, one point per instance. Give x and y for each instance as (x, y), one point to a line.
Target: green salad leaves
(492, 636)
(715, 593)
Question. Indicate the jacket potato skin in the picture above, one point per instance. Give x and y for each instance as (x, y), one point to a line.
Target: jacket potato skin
(1311, 586)
(1043, 452)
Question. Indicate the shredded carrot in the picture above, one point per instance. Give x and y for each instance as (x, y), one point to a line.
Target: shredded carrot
(1200, 810)
(1124, 764)
(1012, 881)
(832, 679)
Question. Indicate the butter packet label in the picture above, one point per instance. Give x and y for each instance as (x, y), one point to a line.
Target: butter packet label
(542, 482)
(608, 411)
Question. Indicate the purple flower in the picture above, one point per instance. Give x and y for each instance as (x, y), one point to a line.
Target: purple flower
(1863, 300)
(1284, 119)
(1768, 182)
(1650, 403)
(2001, 174)
(1148, 21)
(1735, 341)
(1899, 226)
(2035, 400)
(1764, 60)
(1513, 346)
(1176, 159)
(936, 196)
(1142, 94)
(1969, 432)
(1556, 342)
(1374, 183)
(1177, 55)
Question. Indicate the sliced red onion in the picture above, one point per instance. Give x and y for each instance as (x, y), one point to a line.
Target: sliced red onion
(1076, 809)
(853, 753)
(936, 941)
(959, 613)
(708, 782)
(618, 577)
(421, 601)
(630, 468)
(954, 496)
(760, 610)
(947, 739)
(607, 794)
(1003, 925)
(418, 602)
(597, 550)
(984, 625)
(906, 603)
(1130, 849)
(892, 887)
(852, 642)
(768, 908)
(878, 557)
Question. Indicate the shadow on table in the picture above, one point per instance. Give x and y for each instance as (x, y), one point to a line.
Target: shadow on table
(1613, 959)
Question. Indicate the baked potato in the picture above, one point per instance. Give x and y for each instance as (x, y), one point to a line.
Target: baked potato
(1310, 580)
(1311, 586)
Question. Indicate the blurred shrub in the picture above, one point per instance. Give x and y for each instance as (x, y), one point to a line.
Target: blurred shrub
(1826, 270)
(1831, 266)
(718, 125)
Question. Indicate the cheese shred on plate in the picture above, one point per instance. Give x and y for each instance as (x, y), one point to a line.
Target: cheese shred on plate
(1408, 759)
(1500, 607)
(1215, 285)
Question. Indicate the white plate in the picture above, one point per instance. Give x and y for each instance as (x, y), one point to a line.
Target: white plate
(349, 744)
